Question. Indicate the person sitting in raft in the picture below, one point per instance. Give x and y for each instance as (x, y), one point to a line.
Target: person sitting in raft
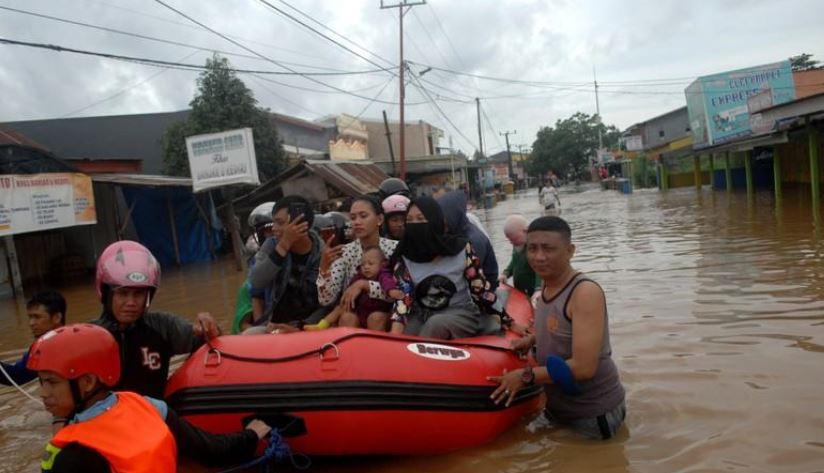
(523, 276)
(368, 312)
(117, 431)
(581, 381)
(453, 205)
(339, 263)
(394, 210)
(260, 221)
(46, 311)
(127, 278)
(287, 265)
(441, 278)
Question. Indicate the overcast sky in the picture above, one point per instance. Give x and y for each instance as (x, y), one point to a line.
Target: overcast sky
(644, 53)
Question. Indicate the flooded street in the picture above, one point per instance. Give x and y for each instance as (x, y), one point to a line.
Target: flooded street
(716, 307)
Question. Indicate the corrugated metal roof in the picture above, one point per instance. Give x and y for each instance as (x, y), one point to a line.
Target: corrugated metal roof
(11, 137)
(20, 154)
(143, 180)
(350, 177)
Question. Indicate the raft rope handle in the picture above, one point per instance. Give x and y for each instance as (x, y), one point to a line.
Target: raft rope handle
(327, 346)
(215, 351)
(277, 450)
(322, 348)
(13, 383)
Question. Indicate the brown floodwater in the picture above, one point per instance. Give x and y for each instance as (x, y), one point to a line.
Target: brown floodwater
(716, 310)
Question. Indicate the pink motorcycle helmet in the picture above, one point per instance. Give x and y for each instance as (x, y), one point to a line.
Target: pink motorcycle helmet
(395, 204)
(126, 264)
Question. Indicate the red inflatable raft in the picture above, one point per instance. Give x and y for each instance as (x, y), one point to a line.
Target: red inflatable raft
(354, 392)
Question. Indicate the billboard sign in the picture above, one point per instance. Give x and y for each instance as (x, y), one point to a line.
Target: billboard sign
(219, 159)
(34, 202)
(718, 104)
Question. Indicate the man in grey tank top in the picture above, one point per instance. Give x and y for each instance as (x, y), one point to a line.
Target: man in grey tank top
(571, 334)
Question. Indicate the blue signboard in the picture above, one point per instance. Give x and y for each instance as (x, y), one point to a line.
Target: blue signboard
(717, 104)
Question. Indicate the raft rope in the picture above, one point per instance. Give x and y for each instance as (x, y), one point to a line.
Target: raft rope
(333, 343)
(25, 393)
(277, 450)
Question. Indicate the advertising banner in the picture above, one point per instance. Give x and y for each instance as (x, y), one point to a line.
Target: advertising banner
(717, 104)
(34, 202)
(219, 159)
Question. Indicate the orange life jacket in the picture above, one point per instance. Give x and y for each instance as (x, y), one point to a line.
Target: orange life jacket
(131, 436)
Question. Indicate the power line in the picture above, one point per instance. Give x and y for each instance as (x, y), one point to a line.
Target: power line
(260, 83)
(431, 40)
(310, 28)
(312, 19)
(440, 111)
(491, 127)
(258, 54)
(351, 122)
(123, 91)
(171, 64)
(194, 27)
(443, 30)
(146, 37)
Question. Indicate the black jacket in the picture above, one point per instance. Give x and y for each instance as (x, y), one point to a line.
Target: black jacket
(146, 348)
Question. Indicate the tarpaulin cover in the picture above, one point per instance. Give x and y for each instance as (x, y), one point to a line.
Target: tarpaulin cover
(150, 216)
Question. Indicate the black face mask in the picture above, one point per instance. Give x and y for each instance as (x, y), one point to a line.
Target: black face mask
(420, 242)
(423, 242)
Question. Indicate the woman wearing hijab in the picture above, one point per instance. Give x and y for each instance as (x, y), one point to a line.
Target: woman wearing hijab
(453, 206)
(441, 279)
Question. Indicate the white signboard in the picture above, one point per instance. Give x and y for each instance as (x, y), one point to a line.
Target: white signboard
(634, 142)
(223, 158)
(34, 202)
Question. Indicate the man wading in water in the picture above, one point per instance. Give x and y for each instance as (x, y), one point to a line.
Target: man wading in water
(571, 333)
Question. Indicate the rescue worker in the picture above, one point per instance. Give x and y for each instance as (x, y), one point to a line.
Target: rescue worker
(117, 431)
(128, 276)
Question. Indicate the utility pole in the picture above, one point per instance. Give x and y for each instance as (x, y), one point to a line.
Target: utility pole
(597, 110)
(480, 136)
(506, 134)
(452, 162)
(480, 146)
(389, 142)
(403, 6)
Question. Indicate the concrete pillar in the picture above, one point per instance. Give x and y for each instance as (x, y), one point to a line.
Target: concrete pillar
(728, 171)
(14, 266)
(711, 157)
(777, 176)
(815, 168)
(664, 175)
(696, 171)
(748, 172)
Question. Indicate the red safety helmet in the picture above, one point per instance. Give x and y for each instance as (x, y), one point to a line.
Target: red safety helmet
(126, 264)
(75, 350)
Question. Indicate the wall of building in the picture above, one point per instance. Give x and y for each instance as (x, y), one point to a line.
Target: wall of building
(666, 128)
(303, 137)
(421, 139)
(808, 83)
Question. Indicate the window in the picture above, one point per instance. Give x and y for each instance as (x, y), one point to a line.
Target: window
(661, 133)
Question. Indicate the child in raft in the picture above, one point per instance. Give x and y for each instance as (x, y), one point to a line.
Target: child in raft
(365, 312)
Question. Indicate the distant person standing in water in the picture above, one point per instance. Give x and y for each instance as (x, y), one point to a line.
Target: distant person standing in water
(571, 333)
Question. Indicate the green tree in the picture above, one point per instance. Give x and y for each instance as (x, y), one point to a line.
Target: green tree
(570, 145)
(804, 62)
(223, 102)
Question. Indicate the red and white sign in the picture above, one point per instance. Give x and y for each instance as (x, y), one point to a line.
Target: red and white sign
(34, 202)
